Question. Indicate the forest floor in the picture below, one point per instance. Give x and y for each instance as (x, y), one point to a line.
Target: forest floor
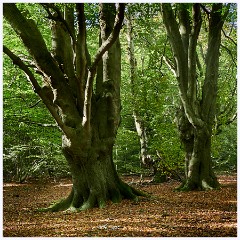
(167, 214)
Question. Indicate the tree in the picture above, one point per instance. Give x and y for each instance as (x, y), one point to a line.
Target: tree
(151, 95)
(198, 91)
(140, 126)
(88, 114)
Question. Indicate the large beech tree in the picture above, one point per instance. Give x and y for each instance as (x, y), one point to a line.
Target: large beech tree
(82, 95)
(198, 101)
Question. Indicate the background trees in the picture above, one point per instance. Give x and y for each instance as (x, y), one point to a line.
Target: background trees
(198, 100)
(26, 123)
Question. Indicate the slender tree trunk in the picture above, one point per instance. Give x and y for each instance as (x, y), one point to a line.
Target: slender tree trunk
(141, 130)
(140, 125)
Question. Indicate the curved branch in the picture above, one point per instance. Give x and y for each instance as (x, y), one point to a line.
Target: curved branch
(228, 122)
(37, 89)
(228, 37)
(230, 53)
(17, 61)
(35, 44)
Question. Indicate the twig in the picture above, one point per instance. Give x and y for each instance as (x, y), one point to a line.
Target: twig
(228, 37)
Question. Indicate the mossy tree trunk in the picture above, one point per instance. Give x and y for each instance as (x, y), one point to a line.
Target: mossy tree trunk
(88, 116)
(198, 104)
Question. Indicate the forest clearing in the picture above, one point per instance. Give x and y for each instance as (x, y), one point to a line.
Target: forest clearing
(167, 214)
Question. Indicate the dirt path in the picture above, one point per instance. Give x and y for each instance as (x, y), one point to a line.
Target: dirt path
(169, 214)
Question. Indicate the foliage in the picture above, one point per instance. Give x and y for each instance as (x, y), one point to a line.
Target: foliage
(31, 142)
(155, 90)
(31, 139)
(126, 151)
(224, 149)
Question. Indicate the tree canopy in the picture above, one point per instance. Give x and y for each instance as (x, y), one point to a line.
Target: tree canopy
(31, 138)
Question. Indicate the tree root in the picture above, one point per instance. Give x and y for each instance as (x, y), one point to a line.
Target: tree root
(203, 185)
(95, 199)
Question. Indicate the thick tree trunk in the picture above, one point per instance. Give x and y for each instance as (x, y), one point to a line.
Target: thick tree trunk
(94, 178)
(198, 162)
(199, 170)
(186, 132)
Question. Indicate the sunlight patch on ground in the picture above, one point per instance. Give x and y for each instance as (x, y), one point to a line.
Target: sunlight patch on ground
(14, 185)
(63, 185)
(233, 202)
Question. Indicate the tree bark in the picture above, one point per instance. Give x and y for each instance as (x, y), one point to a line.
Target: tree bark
(88, 117)
(196, 115)
(94, 178)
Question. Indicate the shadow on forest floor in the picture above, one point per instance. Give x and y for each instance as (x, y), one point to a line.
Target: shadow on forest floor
(168, 214)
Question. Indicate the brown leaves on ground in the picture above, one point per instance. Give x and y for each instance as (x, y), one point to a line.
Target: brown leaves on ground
(167, 214)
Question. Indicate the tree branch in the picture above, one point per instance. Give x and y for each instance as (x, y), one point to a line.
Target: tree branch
(182, 63)
(81, 58)
(34, 42)
(212, 62)
(112, 37)
(170, 65)
(37, 89)
(199, 65)
(207, 11)
(192, 53)
(228, 122)
(184, 26)
(58, 17)
(17, 61)
(177, 45)
(228, 37)
(92, 69)
(230, 53)
(35, 104)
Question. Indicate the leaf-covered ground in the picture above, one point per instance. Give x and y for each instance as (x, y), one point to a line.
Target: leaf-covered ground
(168, 214)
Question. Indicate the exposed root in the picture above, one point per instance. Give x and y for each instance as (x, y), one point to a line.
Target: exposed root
(86, 206)
(203, 185)
(140, 193)
(62, 205)
(95, 199)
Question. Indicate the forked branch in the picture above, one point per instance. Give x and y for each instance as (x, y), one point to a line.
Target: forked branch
(58, 16)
